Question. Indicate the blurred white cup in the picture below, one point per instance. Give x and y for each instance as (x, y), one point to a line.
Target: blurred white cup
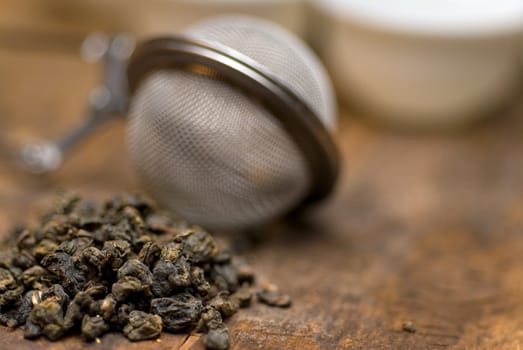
(430, 63)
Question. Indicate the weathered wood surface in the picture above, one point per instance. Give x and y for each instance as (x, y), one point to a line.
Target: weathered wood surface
(422, 228)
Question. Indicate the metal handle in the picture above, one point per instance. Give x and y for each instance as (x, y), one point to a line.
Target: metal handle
(105, 102)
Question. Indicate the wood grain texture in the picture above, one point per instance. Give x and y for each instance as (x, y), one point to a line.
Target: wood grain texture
(426, 228)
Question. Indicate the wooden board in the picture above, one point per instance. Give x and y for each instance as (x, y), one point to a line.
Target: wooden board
(426, 228)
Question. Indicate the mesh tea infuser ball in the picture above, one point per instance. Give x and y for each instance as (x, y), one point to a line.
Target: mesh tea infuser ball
(230, 122)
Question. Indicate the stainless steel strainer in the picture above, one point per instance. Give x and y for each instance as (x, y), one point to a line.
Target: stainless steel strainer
(229, 122)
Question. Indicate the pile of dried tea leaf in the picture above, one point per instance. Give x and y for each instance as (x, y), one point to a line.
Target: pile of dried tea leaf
(92, 267)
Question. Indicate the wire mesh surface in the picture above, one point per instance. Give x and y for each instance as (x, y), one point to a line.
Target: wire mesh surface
(213, 154)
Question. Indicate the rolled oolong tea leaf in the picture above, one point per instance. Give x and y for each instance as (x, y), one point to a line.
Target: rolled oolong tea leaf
(226, 276)
(46, 318)
(10, 292)
(143, 326)
(408, 327)
(55, 292)
(243, 296)
(83, 304)
(127, 286)
(199, 281)
(91, 268)
(25, 240)
(35, 277)
(74, 246)
(171, 252)
(198, 245)
(95, 258)
(149, 254)
(11, 297)
(117, 252)
(169, 277)
(108, 308)
(271, 295)
(133, 217)
(61, 265)
(135, 268)
(16, 314)
(217, 338)
(44, 248)
(244, 271)
(210, 319)
(7, 280)
(225, 304)
(93, 327)
(179, 313)
(24, 260)
(161, 223)
(122, 316)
